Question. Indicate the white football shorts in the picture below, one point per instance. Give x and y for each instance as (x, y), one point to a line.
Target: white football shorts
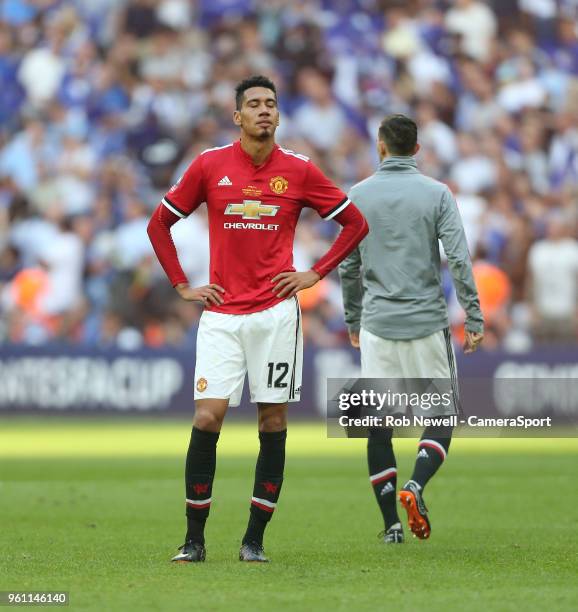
(266, 345)
(431, 357)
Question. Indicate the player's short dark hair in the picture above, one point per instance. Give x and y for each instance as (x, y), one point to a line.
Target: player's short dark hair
(257, 80)
(399, 133)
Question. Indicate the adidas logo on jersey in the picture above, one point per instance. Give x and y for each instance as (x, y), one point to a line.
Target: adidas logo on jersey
(388, 488)
(423, 453)
(224, 181)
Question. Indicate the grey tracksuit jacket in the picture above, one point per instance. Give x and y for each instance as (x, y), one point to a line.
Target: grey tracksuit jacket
(392, 282)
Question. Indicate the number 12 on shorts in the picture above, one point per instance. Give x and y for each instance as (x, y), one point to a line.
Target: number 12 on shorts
(280, 369)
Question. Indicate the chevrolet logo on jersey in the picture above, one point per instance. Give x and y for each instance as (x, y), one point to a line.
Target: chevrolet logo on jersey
(252, 209)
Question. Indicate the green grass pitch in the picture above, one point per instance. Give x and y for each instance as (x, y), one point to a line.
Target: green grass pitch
(96, 508)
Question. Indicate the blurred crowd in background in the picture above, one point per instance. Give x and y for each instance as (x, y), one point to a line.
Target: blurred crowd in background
(103, 103)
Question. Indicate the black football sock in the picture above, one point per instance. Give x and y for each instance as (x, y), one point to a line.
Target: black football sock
(432, 451)
(383, 472)
(199, 474)
(268, 481)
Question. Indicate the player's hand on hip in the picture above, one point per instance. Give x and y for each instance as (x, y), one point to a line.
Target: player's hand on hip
(472, 341)
(209, 294)
(354, 339)
(289, 283)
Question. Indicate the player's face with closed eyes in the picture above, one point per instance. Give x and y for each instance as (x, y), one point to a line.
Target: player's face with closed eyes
(259, 115)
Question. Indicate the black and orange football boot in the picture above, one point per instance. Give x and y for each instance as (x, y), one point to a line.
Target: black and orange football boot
(412, 500)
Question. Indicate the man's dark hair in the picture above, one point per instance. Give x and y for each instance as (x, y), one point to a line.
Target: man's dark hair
(399, 133)
(254, 81)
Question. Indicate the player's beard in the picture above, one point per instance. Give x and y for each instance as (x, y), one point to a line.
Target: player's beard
(265, 133)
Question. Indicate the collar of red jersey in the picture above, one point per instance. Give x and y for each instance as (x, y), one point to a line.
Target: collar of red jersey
(242, 153)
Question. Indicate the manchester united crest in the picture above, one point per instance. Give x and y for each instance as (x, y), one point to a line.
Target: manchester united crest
(278, 184)
(201, 384)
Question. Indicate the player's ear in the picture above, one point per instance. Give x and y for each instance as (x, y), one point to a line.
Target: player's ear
(417, 148)
(381, 148)
(237, 118)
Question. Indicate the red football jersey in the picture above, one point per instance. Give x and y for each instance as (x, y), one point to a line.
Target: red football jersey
(253, 211)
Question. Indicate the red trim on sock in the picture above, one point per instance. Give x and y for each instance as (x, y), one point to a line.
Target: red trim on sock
(197, 507)
(263, 507)
(437, 450)
(383, 479)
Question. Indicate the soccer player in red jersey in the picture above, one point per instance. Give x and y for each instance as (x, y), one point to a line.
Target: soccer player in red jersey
(254, 191)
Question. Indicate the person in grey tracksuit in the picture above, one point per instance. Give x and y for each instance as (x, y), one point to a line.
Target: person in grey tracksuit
(395, 309)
